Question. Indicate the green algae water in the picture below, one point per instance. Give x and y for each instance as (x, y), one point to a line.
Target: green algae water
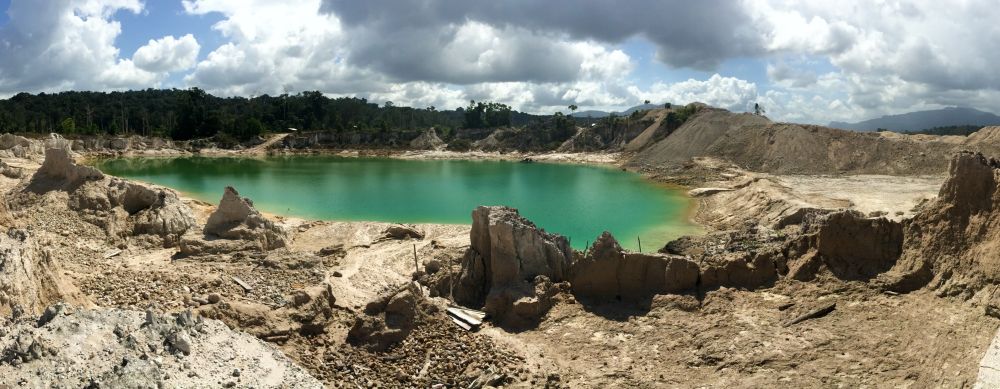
(576, 201)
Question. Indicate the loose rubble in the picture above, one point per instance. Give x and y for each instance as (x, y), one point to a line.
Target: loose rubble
(70, 347)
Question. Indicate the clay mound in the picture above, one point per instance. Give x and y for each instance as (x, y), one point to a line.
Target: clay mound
(510, 261)
(427, 140)
(235, 225)
(986, 140)
(140, 350)
(29, 278)
(609, 271)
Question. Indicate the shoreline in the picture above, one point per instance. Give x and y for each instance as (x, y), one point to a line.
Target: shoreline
(690, 226)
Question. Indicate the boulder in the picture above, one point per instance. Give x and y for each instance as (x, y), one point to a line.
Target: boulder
(608, 271)
(9, 141)
(400, 232)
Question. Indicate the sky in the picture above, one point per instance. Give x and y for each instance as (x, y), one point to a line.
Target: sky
(804, 61)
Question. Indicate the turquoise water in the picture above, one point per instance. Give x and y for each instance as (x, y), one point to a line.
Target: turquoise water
(573, 200)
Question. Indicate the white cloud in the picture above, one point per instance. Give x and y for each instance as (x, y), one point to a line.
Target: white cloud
(167, 54)
(63, 44)
(725, 92)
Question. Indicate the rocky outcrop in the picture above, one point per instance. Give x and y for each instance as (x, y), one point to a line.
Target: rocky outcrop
(29, 278)
(952, 244)
(428, 140)
(235, 225)
(140, 350)
(508, 261)
(608, 271)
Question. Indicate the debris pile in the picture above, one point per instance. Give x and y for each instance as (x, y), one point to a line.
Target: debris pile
(390, 318)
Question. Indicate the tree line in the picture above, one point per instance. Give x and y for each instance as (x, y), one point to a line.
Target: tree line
(193, 113)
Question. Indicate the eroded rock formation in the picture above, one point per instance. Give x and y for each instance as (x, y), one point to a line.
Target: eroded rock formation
(29, 278)
(428, 140)
(122, 208)
(511, 262)
(609, 271)
(235, 225)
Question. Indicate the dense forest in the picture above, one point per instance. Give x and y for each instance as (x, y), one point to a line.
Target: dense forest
(193, 113)
(964, 130)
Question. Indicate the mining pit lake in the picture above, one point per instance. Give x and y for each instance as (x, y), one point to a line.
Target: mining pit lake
(577, 201)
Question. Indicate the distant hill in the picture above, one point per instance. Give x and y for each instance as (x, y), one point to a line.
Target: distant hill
(600, 114)
(923, 120)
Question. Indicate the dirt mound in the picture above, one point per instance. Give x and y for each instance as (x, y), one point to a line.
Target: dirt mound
(695, 137)
(986, 140)
(235, 225)
(140, 350)
(29, 278)
(122, 208)
(608, 271)
(754, 143)
(511, 264)
(427, 141)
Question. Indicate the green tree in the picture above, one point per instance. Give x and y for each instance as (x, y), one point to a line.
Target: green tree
(68, 126)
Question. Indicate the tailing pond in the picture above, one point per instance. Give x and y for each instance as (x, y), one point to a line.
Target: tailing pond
(577, 201)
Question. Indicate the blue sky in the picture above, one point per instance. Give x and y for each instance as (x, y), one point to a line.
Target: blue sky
(806, 62)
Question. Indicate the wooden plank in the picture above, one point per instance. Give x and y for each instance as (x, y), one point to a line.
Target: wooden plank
(479, 315)
(457, 313)
(460, 323)
(813, 314)
(246, 287)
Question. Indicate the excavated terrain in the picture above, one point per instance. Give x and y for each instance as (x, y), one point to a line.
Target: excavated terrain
(885, 279)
